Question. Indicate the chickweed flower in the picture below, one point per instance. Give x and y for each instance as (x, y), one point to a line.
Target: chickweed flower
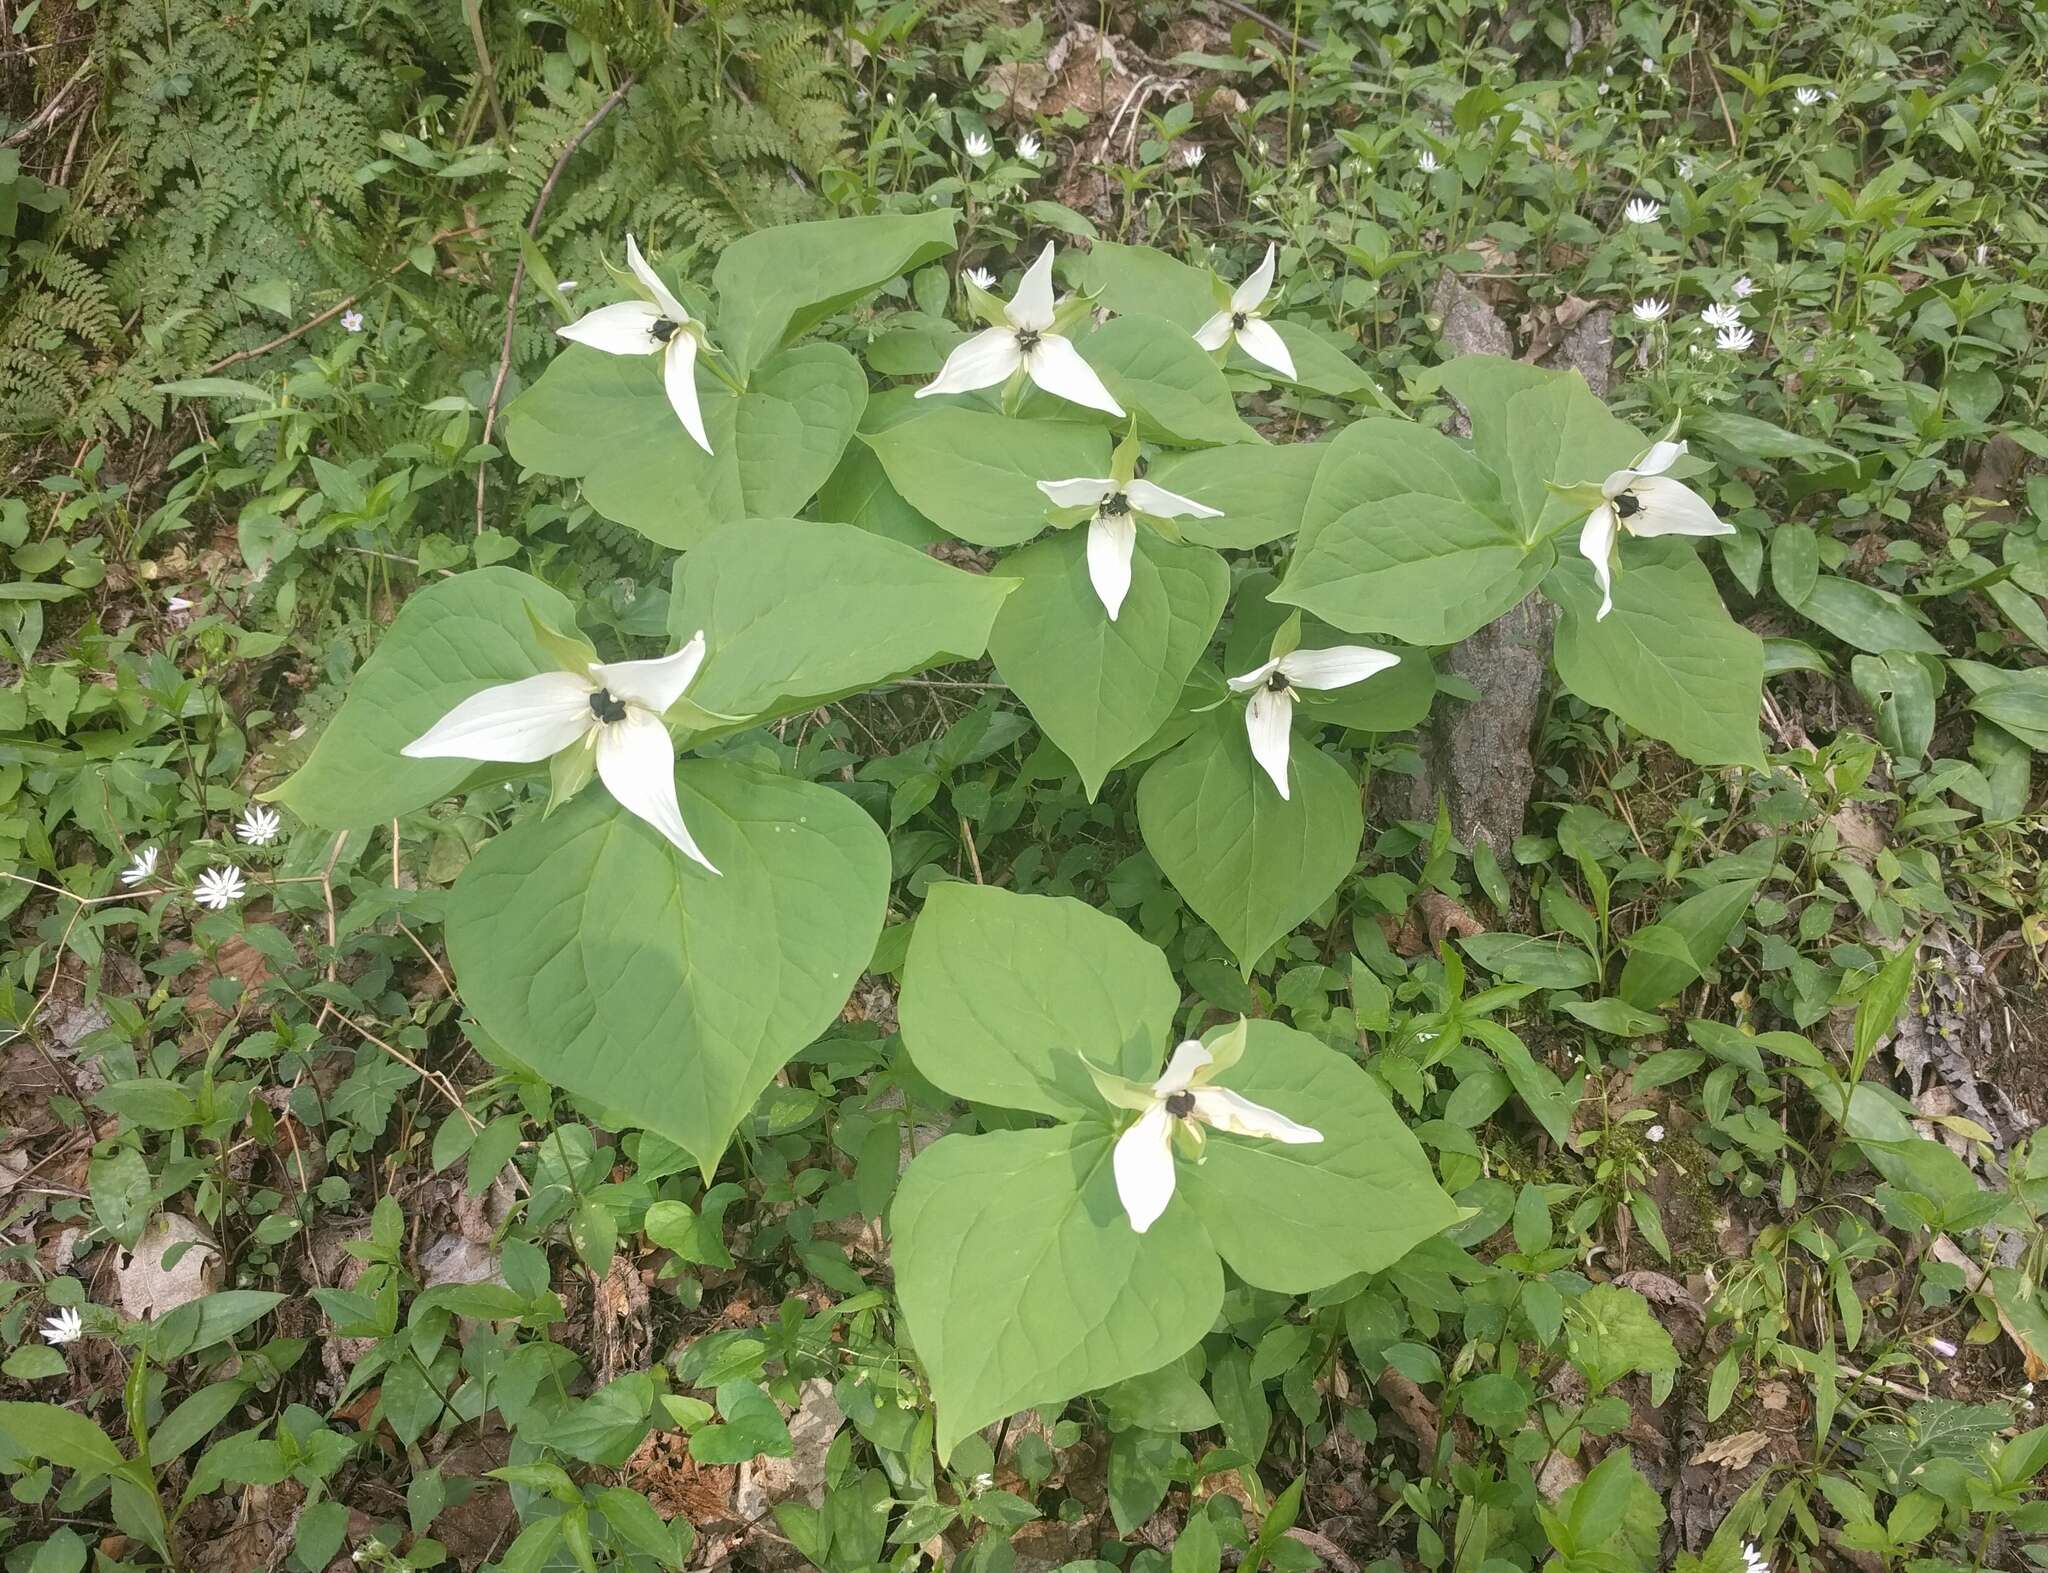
(66, 1327)
(1175, 1108)
(978, 144)
(591, 714)
(1027, 148)
(1240, 319)
(1650, 310)
(1643, 501)
(144, 867)
(1719, 316)
(981, 278)
(1427, 162)
(1753, 1560)
(1022, 339)
(1734, 340)
(1275, 685)
(220, 888)
(1191, 157)
(1641, 210)
(657, 326)
(1743, 287)
(1805, 97)
(258, 826)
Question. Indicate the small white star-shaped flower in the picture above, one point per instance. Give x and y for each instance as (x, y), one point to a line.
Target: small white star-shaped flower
(66, 1327)
(1641, 210)
(1753, 1560)
(981, 278)
(1719, 316)
(978, 144)
(258, 826)
(220, 888)
(1805, 97)
(1734, 340)
(1191, 158)
(1650, 310)
(1428, 163)
(1743, 287)
(1027, 148)
(142, 868)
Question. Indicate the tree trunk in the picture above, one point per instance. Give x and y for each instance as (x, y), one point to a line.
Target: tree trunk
(1477, 756)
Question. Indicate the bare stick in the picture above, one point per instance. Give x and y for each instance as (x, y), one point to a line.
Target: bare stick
(540, 204)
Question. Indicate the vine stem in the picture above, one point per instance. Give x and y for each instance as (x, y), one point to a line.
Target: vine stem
(540, 203)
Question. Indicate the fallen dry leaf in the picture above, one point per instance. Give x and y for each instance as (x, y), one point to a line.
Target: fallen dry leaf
(1733, 1452)
(149, 1287)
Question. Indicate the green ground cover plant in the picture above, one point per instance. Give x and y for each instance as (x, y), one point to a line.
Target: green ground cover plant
(1128, 788)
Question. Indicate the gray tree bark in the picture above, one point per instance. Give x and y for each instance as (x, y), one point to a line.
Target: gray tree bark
(1477, 757)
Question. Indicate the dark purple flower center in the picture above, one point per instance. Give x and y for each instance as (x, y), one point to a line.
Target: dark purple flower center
(1180, 1104)
(605, 707)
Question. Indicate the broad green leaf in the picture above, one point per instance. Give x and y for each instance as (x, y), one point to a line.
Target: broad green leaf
(1299, 1217)
(976, 475)
(70, 1441)
(1251, 863)
(1158, 373)
(777, 283)
(796, 613)
(1263, 492)
(1099, 689)
(1023, 1283)
(859, 491)
(1866, 617)
(1002, 995)
(1613, 1333)
(603, 959)
(1745, 442)
(604, 420)
(451, 639)
(1666, 956)
(2016, 699)
(1145, 281)
(1321, 363)
(1405, 535)
(1668, 659)
(1527, 958)
(1531, 427)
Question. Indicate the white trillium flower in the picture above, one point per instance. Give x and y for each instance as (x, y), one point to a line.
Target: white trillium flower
(1734, 340)
(978, 145)
(1025, 341)
(1240, 320)
(1650, 310)
(1182, 1099)
(1113, 527)
(1718, 317)
(614, 710)
(1027, 148)
(220, 888)
(656, 326)
(1427, 162)
(1641, 210)
(1743, 287)
(142, 868)
(258, 826)
(1643, 501)
(66, 1327)
(1269, 717)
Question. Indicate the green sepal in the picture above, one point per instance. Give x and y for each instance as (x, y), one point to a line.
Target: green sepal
(1123, 464)
(1221, 292)
(1191, 1139)
(983, 305)
(1070, 312)
(1067, 518)
(1119, 1092)
(700, 718)
(1580, 494)
(569, 772)
(1226, 1050)
(1286, 638)
(572, 655)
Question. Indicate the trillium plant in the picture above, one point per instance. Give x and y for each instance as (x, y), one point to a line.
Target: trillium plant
(665, 901)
